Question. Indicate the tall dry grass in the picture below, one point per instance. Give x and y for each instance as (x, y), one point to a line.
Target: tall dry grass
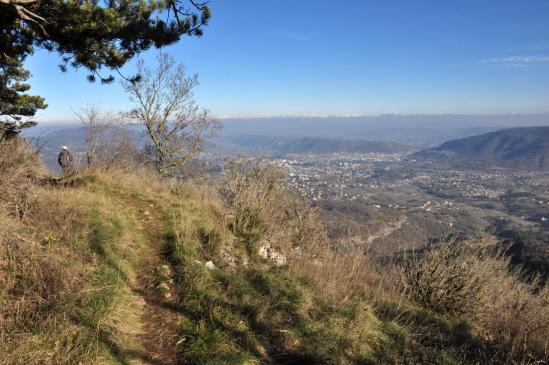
(34, 277)
(64, 254)
(19, 169)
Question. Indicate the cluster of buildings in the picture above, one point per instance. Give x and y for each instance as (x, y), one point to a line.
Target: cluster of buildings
(385, 181)
(335, 176)
(461, 183)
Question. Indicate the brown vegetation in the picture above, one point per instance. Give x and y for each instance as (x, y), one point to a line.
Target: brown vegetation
(19, 168)
(473, 279)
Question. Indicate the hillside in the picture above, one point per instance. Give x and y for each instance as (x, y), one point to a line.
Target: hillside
(311, 145)
(121, 267)
(525, 148)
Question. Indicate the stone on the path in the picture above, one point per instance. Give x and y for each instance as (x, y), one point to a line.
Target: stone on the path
(163, 289)
(164, 270)
(163, 273)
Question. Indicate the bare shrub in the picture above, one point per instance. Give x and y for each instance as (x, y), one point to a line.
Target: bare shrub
(472, 280)
(304, 225)
(261, 211)
(515, 318)
(98, 125)
(253, 192)
(118, 151)
(449, 278)
(165, 105)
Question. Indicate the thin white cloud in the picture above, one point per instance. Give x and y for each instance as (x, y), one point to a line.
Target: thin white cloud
(517, 61)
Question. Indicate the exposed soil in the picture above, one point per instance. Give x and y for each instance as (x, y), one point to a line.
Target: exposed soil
(159, 317)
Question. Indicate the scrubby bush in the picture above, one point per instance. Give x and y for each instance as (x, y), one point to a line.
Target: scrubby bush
(473, 280)
(252, 191)
(261, 208)
(119, 152)
(449, 278)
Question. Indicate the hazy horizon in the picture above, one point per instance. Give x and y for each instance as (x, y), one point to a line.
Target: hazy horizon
(416, 130)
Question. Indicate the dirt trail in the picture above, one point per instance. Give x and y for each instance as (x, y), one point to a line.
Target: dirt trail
(158, 335)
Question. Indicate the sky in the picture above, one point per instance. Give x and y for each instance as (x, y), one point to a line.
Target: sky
(352, 57)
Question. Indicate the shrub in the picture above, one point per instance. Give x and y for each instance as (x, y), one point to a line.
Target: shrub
(472, 280)
(252, 191)
(515, 320)
(260, 207)
(449, 278)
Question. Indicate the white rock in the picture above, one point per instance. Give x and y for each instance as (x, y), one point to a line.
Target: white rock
(210, 265)
(267, 252)
(227, 258)
(164, 289)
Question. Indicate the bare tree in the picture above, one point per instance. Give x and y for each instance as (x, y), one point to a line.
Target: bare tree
(165, 105)
(98, 124)
(119, 151)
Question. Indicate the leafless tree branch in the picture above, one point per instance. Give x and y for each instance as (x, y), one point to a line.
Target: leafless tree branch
(165, 105)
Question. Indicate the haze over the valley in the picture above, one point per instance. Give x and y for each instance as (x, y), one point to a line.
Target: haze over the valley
(415, 130)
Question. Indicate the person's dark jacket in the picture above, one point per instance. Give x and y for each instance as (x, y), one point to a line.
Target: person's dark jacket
(65, 161)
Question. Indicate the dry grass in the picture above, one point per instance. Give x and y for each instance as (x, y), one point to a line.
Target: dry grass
(34, 276)
(338, 275)
(67, 259)
(19, 168)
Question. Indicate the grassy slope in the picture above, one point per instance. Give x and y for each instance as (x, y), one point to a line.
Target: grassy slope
(92, 244)
(251, 313)
(258, 313)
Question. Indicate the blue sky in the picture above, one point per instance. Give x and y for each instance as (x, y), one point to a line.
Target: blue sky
(354, 57)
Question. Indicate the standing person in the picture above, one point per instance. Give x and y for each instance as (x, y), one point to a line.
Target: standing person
(65, 160)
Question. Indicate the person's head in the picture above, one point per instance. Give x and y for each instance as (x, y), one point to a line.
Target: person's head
(65, 148)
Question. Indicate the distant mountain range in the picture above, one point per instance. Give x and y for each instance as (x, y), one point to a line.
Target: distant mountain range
(74, 137)
(414, 130)
(297, 145)
(524, 148)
